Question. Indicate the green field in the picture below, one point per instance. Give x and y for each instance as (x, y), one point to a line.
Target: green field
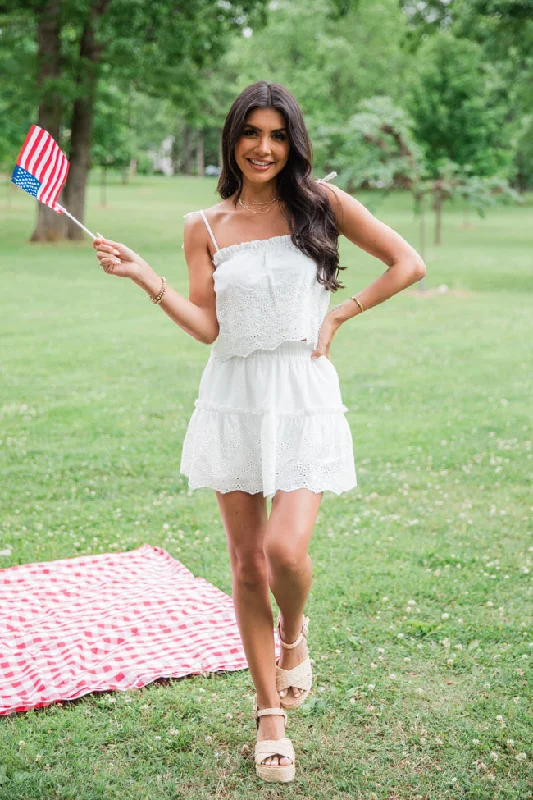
(421, 603)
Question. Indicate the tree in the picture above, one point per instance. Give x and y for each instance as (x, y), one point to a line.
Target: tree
(375, 148)
(329, 63)
(17, 92)
(504, 31)
(458, 117)
(159, 46)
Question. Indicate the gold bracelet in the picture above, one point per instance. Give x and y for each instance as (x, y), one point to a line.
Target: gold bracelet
(161, 293)
(356, 299)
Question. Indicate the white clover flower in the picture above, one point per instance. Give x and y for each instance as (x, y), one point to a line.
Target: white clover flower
(381, 649)
(494, 755)
(475, 741)
(371, 687)
(521, 756)
(445, 615)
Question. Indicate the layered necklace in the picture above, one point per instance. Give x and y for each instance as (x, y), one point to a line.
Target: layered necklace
(262, 208)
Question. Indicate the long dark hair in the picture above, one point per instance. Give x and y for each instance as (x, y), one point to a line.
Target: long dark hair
(311, 218)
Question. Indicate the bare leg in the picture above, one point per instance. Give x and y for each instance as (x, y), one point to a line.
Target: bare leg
(289, 530)
(245, 519)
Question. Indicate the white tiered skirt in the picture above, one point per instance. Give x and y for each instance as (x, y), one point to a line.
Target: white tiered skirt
(271, 420)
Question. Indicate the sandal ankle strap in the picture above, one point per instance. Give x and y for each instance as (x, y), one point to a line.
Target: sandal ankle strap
(280, 712)
(303, 632)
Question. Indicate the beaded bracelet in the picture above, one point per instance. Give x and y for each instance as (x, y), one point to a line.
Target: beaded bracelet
(356, 299)
(161, 293)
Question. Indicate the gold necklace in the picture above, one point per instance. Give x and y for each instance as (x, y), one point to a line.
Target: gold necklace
(268, 203)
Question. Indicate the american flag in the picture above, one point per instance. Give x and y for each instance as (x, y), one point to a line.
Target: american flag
(42, 168)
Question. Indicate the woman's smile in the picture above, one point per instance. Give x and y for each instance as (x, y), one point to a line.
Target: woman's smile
(260, 164)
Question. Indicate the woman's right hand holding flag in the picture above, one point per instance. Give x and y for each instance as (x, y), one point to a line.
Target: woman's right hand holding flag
(117, 259)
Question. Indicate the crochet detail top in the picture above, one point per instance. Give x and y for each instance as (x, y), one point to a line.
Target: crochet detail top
(267, 293)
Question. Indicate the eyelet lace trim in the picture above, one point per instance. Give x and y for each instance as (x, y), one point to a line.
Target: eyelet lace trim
(227, 452)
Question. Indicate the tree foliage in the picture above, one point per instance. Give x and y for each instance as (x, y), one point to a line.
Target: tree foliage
(392, 92)
(458, 115)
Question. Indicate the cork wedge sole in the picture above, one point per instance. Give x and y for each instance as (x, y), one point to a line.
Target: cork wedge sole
(265, 748)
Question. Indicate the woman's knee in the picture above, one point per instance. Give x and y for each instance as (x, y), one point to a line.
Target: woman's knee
(285, 556)
(250, 569)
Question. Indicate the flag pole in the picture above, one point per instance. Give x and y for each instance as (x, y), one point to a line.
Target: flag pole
(64, 211)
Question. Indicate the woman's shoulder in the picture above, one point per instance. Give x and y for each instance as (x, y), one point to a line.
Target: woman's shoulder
(209, 211)
(336, 198)
(332, 192)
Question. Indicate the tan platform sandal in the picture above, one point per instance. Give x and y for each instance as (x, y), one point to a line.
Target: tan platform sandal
(266, 748)
(299, 677)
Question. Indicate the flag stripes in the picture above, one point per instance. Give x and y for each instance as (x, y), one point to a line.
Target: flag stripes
(42, 167)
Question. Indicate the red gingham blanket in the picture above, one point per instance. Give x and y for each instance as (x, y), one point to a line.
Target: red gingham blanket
(107, 622)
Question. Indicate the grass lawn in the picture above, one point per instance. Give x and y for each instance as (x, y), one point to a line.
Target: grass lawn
(421, 603)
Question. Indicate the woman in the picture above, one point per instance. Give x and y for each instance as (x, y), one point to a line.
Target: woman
(269, 419)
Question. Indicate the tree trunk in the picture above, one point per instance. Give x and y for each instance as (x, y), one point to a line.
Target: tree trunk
(82, 128)
(186, 150)
(50, 225)
(200, 154)
(437, 205)
(103, 187)
(422, 283)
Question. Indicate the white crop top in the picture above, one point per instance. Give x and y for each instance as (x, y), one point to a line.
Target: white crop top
(267, 293)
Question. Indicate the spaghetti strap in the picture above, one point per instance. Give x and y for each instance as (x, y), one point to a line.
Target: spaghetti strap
(329, 177)
(208, 226)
